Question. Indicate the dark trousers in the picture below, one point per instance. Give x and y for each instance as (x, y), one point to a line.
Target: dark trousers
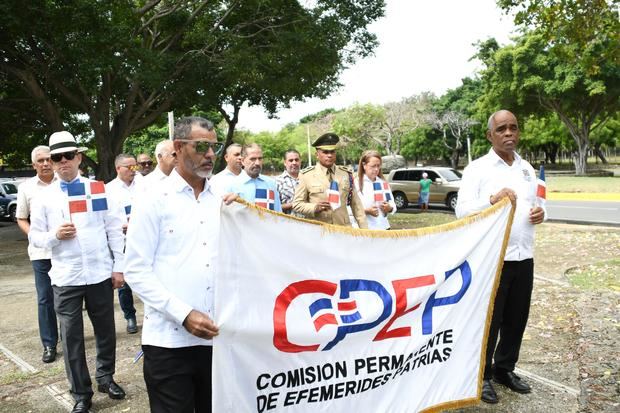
(510, 313)
(178, 380)
(48, 326)
(125, 299)
(99, 299)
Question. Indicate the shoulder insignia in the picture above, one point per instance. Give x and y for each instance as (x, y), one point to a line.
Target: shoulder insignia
(307, 169)
(344, 168)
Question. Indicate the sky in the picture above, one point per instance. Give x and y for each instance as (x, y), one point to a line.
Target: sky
(424, 45)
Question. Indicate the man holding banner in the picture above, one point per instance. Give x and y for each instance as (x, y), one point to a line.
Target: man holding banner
(171, 250)
(503, 173)
(325, 189)
(73, 219)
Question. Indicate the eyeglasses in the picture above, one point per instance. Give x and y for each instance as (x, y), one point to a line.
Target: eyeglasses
(146, 163)
(57, 157)
(202, 147)
(131, 167)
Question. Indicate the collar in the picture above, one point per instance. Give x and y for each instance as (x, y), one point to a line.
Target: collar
(285, 174)
(324, 169)
(54, 179)
(178, 184)
(495, 158)
(244, 177)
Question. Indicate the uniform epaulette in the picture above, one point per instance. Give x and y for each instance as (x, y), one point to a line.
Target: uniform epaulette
(307, 169)
(345, 168)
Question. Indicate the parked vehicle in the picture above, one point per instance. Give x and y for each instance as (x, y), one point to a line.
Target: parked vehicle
(8, 200)
(405, 185)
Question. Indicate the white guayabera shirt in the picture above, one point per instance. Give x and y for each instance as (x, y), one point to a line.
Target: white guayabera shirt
(488, 175)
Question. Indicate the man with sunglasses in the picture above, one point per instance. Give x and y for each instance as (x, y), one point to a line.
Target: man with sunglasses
(87, 264)
(170, 257)
(124, 190)
(252, 185)
(40, 257)
(313, 192)
(145, 164)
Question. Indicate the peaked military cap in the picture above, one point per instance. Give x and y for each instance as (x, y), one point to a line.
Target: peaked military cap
(327, 141)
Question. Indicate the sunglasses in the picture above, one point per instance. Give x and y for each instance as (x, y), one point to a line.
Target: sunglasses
(131, 167)
(146, 163)
(202, 147)
(57, 157)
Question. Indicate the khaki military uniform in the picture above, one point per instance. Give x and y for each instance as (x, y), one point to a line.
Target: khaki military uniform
(313, 185)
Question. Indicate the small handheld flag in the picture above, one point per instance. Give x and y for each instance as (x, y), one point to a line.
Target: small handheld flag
(265, 198)
(387, 192)
(128, 211)
(333, 195)
(87, 198)
(541, 189)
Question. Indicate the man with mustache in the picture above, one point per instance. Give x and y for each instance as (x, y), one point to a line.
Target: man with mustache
(253, 186)
(288, 180)
(503, 173)
(170, 257)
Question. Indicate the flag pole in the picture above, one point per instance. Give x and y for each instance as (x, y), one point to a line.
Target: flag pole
(308, 138)
(170, 125)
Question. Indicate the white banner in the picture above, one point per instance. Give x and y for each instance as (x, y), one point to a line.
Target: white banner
(321, 318)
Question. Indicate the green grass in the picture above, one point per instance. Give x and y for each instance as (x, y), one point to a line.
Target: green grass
(583, 184)
(600, 276)
(419, 220)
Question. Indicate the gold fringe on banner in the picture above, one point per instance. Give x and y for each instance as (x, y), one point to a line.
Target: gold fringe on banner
(263, 212)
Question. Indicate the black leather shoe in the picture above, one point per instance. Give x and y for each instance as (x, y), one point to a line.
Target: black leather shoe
(49, 354)
(114, 390)
(488, 392)
(82, 406)
(512, 381)
(132, 326)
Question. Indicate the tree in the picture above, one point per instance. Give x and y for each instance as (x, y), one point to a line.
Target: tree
(121, 65)
(457, 124)
(374, 126)
(567, 62)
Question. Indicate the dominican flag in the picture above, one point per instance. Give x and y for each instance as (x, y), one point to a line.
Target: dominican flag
(128, 211)
(541, 191)
(382, 192)
(333, 195)
(265, 198)
(87, 197)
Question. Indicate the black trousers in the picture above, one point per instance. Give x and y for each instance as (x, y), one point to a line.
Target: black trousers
(510, 313)
(99, 299)
(178, 380)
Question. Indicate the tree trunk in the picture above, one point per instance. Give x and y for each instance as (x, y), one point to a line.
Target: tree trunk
(599, 153)
(220, 164)
(454, 158)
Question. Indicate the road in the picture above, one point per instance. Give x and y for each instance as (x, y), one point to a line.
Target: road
(590, 212)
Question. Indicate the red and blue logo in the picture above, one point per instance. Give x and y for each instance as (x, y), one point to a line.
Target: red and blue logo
(335, 305)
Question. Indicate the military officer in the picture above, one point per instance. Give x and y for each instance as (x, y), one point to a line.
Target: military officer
(311, 195)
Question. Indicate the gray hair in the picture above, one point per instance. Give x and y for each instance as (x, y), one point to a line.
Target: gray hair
(160, 148)
(491, 120)
(232, 146)
(121, 157)
(36, 150)
(183, 127)
(250, 146)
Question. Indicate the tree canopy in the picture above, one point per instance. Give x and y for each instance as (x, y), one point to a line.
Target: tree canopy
(118, 66)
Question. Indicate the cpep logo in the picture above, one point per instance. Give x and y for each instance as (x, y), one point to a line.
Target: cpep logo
(346, 315)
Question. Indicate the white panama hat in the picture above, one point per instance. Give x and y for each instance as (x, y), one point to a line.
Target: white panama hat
(64, 141)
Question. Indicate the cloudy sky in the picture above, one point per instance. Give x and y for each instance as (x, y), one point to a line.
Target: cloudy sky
(424, 45)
